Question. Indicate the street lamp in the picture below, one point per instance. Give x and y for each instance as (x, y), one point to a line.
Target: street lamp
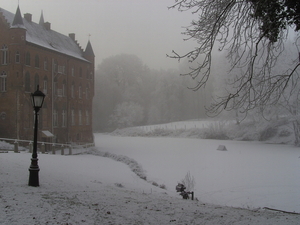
(37, 101)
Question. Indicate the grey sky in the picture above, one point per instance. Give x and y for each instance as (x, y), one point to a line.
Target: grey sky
(145, 28)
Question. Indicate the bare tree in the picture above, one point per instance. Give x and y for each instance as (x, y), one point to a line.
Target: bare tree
(253, 34)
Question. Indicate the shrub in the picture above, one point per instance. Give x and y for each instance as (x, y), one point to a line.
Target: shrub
(216, 131)
(268, 133)
(188, 182)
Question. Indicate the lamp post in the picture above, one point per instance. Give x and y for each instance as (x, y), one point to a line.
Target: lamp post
(37, 101)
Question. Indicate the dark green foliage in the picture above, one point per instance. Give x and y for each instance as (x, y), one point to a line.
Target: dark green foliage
(276, 15)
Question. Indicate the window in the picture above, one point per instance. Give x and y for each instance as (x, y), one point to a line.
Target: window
(64, 118)
(80, 72)
(87, 92)
(17, 57)
(45, 115)
(27, 82)
(36, 81)
(72, 71)
(79, 117)
(27, 59)
(3, 77)
(37, 61)
(45, 64)
(55, 86)
(80, 91)
(45, 85)
(55, 66)
(64, 89)
(72, 117)
(87, 117)
(55, 118)
(4, 54)
(72, 90)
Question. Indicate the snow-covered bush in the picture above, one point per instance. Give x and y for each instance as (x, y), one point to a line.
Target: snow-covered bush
(188, 182)
(216, 131)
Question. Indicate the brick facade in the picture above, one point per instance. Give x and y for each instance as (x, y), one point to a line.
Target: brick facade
(32, 54)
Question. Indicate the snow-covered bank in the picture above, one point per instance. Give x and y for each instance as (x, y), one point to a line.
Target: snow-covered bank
(85, 189)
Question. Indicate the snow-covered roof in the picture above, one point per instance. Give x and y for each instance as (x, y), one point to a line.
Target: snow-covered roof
(38, 34)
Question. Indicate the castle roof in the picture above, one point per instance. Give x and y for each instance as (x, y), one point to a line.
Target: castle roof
(89, 50)
(43, 36)
(18, 21)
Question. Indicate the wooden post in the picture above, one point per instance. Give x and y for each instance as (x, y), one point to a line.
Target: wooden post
(62, 150)
(53, 149)
(43, 148)
(16, 147)
(30, 147)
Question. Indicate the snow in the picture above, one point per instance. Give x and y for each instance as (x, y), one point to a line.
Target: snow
(232, 186)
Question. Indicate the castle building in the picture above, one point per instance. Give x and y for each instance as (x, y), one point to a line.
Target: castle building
(33, 54)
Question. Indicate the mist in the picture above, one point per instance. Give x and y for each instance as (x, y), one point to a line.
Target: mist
(147, 29)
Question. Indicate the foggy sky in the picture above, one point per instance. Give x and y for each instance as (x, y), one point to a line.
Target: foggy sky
(146, 28)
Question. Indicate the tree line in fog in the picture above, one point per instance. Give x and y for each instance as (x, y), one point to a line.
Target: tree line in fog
(129, 93)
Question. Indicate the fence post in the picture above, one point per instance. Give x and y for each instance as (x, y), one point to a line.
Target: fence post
(43, 148)
(16, 147)
(70, 150)
(53, 149)
(30, 147)
(62, 150)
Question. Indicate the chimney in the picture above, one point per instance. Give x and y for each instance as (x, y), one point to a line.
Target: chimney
(47, 25)
(72, 36)
(28, 17)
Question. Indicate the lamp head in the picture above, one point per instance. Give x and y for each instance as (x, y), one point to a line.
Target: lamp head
(37, 98)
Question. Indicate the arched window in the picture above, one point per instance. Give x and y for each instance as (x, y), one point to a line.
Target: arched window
(37, 61)
(4, 54)
(3, 77)
(27, 59)
(27, 82)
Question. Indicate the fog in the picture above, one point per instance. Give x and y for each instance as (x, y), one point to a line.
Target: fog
(144, 28)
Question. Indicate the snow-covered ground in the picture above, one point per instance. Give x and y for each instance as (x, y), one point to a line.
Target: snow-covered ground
(89, 189)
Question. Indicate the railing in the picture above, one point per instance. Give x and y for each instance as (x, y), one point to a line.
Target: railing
(47, 147)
